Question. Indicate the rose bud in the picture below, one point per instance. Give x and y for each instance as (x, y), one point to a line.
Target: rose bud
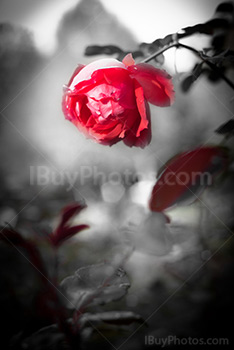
(186, 175)
(107, 100)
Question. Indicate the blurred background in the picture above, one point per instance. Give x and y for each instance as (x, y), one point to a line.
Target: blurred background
(41, 44)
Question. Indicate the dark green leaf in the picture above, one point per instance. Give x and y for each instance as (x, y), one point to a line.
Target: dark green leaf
(46, 338)
(187, 83)
(225, 7)
(218, 41)
(120, 318)
(223, 56)
(191, 78)
(160, 59)
(165, 41)
(149, 48)
(208, 27)
(197, 70)
(100, 50)
(95, 284)
(226, 128)
(213, 76)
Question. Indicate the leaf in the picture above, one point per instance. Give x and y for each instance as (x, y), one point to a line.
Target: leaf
(213, 76)
(119, 318)
(151, 236)
(190, 79)
(94, 285)
(46, 338)
(99, 50)
(160, 59)
(187, 83)
(226, 128)
(64, 230)
(226, 55)
(186, 175)
(208, 27)
(225, 7)
(218, 41)
(69, 211)
(150, 48)
(168, 39)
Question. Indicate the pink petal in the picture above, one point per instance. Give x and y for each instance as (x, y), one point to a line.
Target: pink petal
(101, 91)
(128, 60)
(157, 84)
(77, 70)
(86, 73)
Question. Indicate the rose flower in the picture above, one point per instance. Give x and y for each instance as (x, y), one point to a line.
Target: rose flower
(107, 100)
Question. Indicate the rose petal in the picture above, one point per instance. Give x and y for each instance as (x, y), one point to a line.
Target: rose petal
(105, 128)
(145, 135)
(107, 139)
(131, 118)
(114, 83)
(128, 60)
(73, 107)
(157, 85)
(102, 91)
(122, 86)
(77, 70)
(105, 109)
(86, 73)
(142, 141)
(141, 105)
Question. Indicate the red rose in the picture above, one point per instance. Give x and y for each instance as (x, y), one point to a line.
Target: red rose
(108, 100)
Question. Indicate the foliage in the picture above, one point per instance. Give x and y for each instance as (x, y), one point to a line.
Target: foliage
(89, 286)
(217, 59)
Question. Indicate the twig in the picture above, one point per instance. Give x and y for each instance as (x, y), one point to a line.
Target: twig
(197, 53)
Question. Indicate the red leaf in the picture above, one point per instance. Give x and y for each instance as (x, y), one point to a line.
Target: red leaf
(69, 211)
(67, 233)
(64, 230)
(185, 174)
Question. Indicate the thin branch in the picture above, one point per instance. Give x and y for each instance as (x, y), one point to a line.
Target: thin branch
(197, 53)
(159, 52)
(210, 64)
